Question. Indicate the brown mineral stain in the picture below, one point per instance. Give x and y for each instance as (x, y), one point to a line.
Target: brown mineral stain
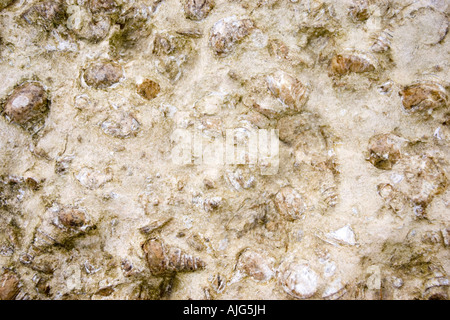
(148, 89)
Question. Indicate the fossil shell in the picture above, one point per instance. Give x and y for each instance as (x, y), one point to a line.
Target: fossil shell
(72, 218)
(384, 150)
(298, 280)
(103, 74)
(425, 96)
(28, 104)
(98, 6)
(133, 27)
(47, 14)
(383, 42)
(424, 179)
(394, 199)
(172, 53)
(197, 9)
(256, 264)
(287, 89)
(342, 64)
(9, 286)
(60, 226)
(164, 260)
(290, 203)
(359, 10)
(121, 125)
(93, 179)
(226, 32)
(5, 3)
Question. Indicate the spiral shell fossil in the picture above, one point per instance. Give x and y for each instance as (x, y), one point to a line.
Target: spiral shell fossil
(342, 64)
(164, 260)
(287, 89)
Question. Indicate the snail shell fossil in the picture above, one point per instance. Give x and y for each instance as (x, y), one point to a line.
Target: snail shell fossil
(423, 96)
(342, 64)
(66, 224)
(163, 260)
(287, 89)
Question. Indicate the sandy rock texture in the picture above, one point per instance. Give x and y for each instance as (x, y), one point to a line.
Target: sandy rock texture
(96, 95)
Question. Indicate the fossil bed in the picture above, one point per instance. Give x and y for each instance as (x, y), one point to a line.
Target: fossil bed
(93, 207)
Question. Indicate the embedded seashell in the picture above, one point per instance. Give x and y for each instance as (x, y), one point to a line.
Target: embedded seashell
(289, 203)
(103, 74)
(98, 6)
(9, 286)
(93, 179)
(27, 105)
(5, 3)
(342, 64)
(383, 42)
(287, 89)
(226, 32)
(197, 9)
(384, 150)
(298, 280)
(61, 226)
(359, 10)
(133, 27)
(425, 96)
(393, 198)
(163, 260)
(47, 14)
(121, 125)
(191, 33)
(172, 52)
(72, 218)
(256, 264)
(278, 49)
(212, 204)
(424, 179)
(154, 225)
(148, 89)
(94, 30)
(344, 235)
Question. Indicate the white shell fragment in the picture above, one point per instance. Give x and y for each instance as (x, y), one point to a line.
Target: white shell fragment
(299, 280)
(344, 235)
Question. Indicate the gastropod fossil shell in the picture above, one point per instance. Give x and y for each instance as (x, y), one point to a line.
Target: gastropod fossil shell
(164, 260)
(342, 64)
(423, 96)
(287, 89)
